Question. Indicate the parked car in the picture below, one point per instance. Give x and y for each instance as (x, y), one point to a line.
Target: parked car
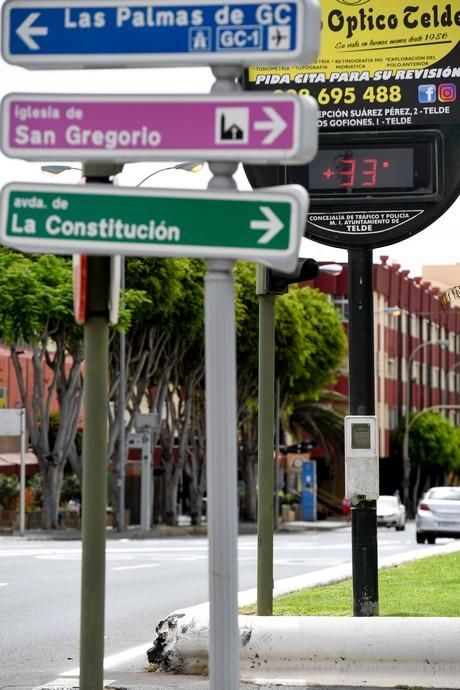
(438, 514)
(391, 512)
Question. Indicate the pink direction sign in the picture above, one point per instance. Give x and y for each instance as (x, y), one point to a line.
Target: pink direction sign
(248, 128)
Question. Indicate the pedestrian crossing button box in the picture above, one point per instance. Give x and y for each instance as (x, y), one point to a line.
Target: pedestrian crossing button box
(361, 457)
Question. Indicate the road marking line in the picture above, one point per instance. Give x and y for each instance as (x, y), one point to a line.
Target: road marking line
(133, 567)
(4, 584)
(67, 683)
(114, 660)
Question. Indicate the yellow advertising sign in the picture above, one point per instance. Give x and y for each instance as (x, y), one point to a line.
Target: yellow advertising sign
(381, 64)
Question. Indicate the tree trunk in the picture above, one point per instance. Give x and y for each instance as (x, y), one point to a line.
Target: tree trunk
(172, 485)
(250, 500)
(52, 482)
(415, 489)
(196, 503)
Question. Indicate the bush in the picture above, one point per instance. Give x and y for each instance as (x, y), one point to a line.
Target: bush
(70, 489)
(35, 484)
(9, 491)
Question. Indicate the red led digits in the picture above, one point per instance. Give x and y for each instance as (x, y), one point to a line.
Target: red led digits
(370, 172)
(363, 170)
(348, 173)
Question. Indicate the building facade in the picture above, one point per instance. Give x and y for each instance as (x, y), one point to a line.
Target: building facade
(407, 317)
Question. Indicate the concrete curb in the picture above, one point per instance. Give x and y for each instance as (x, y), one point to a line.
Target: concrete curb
(327, 650)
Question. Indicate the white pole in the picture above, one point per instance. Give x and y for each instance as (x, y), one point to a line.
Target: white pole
(22, 480)
(146, 479)
(221, 466)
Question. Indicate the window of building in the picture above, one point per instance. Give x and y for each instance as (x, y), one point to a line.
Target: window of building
(341, 303)
(393, 417)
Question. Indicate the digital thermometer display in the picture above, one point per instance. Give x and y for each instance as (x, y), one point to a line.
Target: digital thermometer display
(372, 170)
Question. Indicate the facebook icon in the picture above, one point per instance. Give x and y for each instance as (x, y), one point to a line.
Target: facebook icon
(427, 93)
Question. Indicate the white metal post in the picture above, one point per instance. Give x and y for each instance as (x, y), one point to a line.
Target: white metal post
(146, 479)
(221, 461)
(22, 478)
(221, 448)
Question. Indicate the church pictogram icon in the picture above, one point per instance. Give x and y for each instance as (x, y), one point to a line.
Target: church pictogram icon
(232, 125)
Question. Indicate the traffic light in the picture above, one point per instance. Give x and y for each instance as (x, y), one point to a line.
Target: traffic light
(277, 283)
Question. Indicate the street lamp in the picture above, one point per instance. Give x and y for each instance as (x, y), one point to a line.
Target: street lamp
(58, 169)
(188, 166)
(406, 458)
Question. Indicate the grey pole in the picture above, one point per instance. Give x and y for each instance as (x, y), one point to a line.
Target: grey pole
(221, 463)
(94, 494)
(121, 414)
(22, 475)
(265, 474)
(278, 485)
(221, 448)
(94, 490)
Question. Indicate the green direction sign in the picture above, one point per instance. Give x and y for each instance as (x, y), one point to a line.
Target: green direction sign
(96, 219)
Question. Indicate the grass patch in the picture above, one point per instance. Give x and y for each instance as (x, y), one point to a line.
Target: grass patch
(428, 587)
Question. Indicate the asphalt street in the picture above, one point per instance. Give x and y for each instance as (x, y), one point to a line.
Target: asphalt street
(146, 580)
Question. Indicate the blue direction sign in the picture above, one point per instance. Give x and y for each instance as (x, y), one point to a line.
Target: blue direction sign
(145, 33)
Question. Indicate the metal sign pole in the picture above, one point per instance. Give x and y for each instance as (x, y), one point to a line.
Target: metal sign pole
(362, 402)
(265, 472)
(221, 448)
(94, 494)
(146, 480)
(22, 481)
(121, 479)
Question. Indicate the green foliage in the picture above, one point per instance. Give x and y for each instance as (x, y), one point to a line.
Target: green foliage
(427, 587)
(324, 424)
(433, 441)
(166, 294)
(70, 488)
(35, 297)
(247, 319)
(35, 483)
(9, 491)
(310, 341)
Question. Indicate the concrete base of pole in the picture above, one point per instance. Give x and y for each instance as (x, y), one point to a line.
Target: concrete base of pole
(291, 650)
(331, 651)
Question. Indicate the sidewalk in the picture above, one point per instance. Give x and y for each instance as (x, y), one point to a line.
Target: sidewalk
(162, 681)
(181, 530)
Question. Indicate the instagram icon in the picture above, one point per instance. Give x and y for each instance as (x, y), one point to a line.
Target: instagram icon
(447, 93)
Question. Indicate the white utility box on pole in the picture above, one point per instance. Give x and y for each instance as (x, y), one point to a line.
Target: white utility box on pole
(361, 457)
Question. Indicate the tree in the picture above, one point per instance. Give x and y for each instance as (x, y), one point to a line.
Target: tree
(322, 422)
(184, 359)
(164, 356)
(310, 346)
(433, 450)
(36, 310)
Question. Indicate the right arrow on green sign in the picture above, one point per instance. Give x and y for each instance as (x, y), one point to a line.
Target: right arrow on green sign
(265, 226)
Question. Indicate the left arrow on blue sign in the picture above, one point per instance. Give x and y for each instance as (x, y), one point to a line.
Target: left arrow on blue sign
(72, 34)
(27, 30)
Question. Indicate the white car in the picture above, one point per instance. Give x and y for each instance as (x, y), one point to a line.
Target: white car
(438, 514)
(391, 512)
